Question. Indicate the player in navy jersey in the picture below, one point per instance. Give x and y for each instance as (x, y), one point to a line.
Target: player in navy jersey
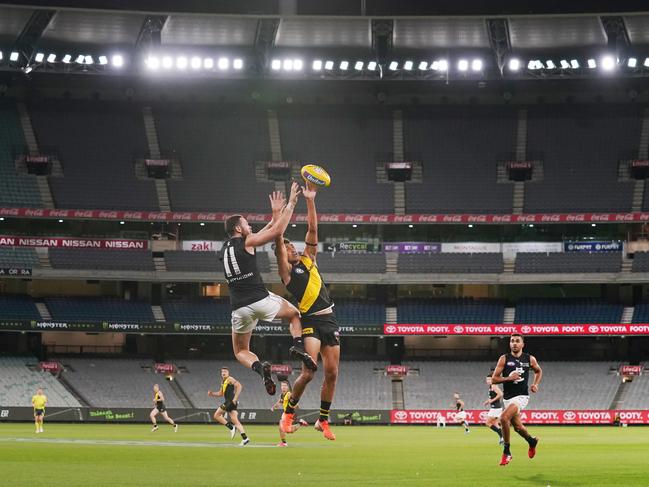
(495, 403)
(249, 298)
(513, 371)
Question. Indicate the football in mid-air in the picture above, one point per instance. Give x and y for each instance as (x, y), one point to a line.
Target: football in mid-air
(315, 174)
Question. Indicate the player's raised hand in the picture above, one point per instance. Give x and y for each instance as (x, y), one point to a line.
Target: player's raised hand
(295, 192)
(277, 201)
(309, 191)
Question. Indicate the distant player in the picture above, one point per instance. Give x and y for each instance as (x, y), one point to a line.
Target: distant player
(230, 391)
(513, 371)
(39, 401)
(301, 276)
(441, 420)
(249, 298)
(460, 416)
(160, 408)
(282, 402)
(495, 403)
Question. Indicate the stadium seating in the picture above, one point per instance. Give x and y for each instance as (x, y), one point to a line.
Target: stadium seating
(18, 307)
(98, 143)
(16, 190)
(567, 311)
(348, 143)
(340, 262)
(581, 146)
(109, 382)
(204, 311)
(449, 311)
(184, 261)
(570, 262)
(359, 312)
(640, 262)
(460, 147)
(637, 393)
(19, 382)
(641, 313)
(217, 148)
(99, 309)
(18, 257)
(480, 263)
(566, 385)
(99, 259)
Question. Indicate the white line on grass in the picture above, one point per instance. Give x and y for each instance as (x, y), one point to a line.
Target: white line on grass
(184, 444)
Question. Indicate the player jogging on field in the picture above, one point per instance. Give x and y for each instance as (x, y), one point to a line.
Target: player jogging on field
(230, 391)
(39, 401)
(460, 416)
(160, 408)
(495, 403)
(282, 402)
(249, 298)
(300, 275)
(513, 371)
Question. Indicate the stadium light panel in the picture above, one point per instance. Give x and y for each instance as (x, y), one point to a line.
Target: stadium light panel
(276, 65)
(592, 64)
(2, 218)
(632, 62)
(196, 63)
(1, 55)
(39, 57)
(223, 63)
(371, 65)
(476, 65)
(344, 65)
(67, 58)
(103, 60)
(462, 65)
(122, 222)
(88, 60)
(287, 65)
(237, 64)
(80, 59)
(182, 63)
(13, 57)
(393, 66)
(564, 64)
(443, 65)
(359, 65)
(50, 59)
(329, 65)
(593, 224)
(167, 62)
(574, 64)
(646, 62)
(608, 63)
(408, 65)
(411, 225)
(152, 62)
(208, 63)
(514, 64)
(550, 64)
(354, 225)
(470, 225)
(118, 60)
(298, 64)
(60, 221)
(317, 65)
(423, 66)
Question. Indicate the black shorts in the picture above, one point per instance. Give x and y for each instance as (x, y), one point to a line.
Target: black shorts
(160, 406)
(39, 412)
(322, 327)
(228, 406)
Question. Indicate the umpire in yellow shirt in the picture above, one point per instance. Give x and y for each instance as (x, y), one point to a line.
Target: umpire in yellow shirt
(39, 401)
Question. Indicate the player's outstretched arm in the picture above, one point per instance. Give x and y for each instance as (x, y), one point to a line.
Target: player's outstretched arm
(270, 233)
(218, 393)
(311, 240)
(538, 373)
(276, 209)
(283, 266)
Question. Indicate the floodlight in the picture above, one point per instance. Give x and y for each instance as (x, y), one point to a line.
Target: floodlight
(564, 64)
(13, 57)
(50, 59)
(550, 64)
(181, 62)
(359, 65)
(442, 65)
(39, 57)
(329, 65)
(276, 65)
(608, 63)
(407, 65)
(423, 66)
(88, 60)
(80, 59)
(223, 63)
(317, 65)
(463, 65)
(632, 62)
(103, 60)
(167, 62)
(514, 64)
(371, 65)
(237, 64)
(592, 64)
(196, 62)
(298, 64)
(646, 62)
(152, 62)
(393, 66)
(476, 65)
(344, 65)
(208, 63)
(574, 64)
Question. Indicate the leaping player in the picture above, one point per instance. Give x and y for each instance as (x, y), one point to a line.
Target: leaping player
(513, 371)
(249, 298)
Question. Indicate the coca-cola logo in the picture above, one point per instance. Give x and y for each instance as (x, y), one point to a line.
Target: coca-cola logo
(390, 329)
(569, 415)
(458, 329)
(400, 415)
(593, 329)
(526, 329)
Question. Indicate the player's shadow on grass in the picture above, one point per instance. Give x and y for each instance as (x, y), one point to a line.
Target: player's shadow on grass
(543, 481)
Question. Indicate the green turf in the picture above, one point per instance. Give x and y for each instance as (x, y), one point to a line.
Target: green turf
(390, 455)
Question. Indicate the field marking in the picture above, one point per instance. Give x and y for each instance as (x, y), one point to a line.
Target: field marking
(184, 444)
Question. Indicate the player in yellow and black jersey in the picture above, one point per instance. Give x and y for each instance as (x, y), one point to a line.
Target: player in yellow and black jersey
(282, 402)
(301, 276)
(229, 391)
(160, 408)
(39, 401)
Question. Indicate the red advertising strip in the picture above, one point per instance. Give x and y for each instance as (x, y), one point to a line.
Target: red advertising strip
(555, 416)
(50, 366)
(417, 218)
(73, 243)
(536, 329)
(281, 369)
(161, 368)
(631, 369)
(396, 370)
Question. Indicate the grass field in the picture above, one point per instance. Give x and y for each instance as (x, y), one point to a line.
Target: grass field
(128, 455)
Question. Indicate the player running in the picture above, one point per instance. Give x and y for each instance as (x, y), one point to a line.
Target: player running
(249, 298)
(460, 416)
(495, 403)
(39, 401)
(230, 391)
(283, 402)
(301, 276)
(513, 371)
(160, 408)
